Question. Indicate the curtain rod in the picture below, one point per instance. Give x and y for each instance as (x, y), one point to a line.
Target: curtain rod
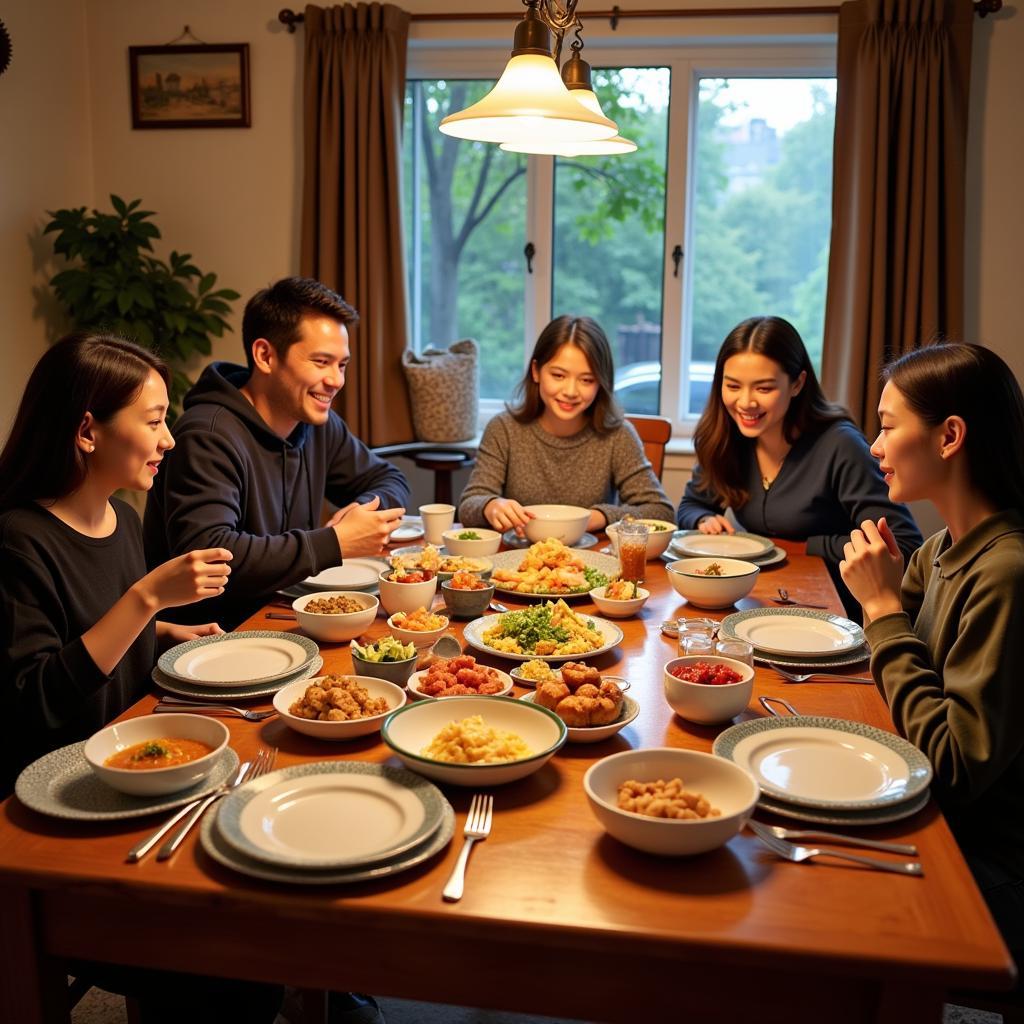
(982, 8)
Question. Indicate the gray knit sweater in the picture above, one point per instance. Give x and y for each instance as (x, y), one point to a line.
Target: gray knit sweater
(608, 472)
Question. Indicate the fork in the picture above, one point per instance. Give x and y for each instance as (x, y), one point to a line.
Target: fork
(262, 763)
(802, 677)
(478, 826)
(177, 707)
(784, 598)
(835, 837)
(790, 851)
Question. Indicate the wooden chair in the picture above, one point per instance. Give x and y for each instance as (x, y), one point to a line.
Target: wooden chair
(654, 432)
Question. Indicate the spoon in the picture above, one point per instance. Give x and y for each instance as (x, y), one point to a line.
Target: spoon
(784, 598)
(497, 606)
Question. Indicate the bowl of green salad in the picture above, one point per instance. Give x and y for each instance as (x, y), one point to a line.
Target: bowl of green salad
(472, 541)
(386, 658)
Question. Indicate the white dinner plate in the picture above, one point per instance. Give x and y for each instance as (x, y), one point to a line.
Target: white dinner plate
(694, 544)
(223, 853)
(774, 557)
(793, 631)
(234, 693)
(353, 574)
(330, 814)
(847, 819)
(826, 763)
(607, 565)
(406, 532)
(512, 540)
(241, 659)
(473, 634)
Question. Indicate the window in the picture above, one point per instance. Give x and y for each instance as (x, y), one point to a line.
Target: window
(733, 174)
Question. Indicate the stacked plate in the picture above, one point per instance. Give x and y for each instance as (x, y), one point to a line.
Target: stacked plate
(329, 823)
(234, 666)
(829, 770)
(750, 547)
(512, 540)
(797, 637)
(355, 574)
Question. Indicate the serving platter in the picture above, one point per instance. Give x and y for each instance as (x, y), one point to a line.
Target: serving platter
(473, 634)
(800, 632)
(210, 693)
(238, 659)
(826, 763)
(62, 785)
(607, 565)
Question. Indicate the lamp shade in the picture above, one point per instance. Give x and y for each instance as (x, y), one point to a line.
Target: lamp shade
(614, 146)
(530, 104)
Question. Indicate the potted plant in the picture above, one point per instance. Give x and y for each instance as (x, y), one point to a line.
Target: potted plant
(117, 284)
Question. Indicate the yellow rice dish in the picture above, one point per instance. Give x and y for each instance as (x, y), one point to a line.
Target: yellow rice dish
(472, 741)
(546, 629)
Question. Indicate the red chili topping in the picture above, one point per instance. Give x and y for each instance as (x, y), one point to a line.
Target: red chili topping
(420, 576)
(705, 673)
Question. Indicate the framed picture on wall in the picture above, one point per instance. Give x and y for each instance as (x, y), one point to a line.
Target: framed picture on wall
(190, 86)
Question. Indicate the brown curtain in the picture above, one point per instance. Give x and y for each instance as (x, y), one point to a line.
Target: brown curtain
(895, 275)
(354, 91)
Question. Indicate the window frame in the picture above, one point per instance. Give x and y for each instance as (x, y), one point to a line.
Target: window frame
(743, 57)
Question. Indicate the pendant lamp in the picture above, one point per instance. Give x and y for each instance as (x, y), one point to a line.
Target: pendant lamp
(530, 104)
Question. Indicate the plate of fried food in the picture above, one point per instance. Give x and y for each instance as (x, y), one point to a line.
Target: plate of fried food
(551, 630)
(459, 677)
(593, 708)
(440, 561)
(550, 569)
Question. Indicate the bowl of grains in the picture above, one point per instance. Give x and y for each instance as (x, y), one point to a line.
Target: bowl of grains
(335, 615)
(670, 801)
(338, 707)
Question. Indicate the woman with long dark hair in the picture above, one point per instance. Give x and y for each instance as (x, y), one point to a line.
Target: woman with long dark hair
(784, 459)
(947, 647)
(563, 441)
(78, 638)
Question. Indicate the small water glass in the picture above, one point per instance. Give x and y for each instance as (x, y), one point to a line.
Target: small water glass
(696, 645)
(738, 650)
(696, 627)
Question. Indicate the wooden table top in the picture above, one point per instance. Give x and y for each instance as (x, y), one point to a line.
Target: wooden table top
(548, 894)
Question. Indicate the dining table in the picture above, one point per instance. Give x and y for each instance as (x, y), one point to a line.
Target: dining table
(558, 918)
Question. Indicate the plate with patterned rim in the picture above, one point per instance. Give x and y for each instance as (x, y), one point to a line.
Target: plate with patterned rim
(854, 657)
(775, 557)
(243, 658)
(226, 855)
(795, 632)
(235, 693)
(826, 763)
(330, 815)
(473, 634)
(743, 545)
(512, 540)
(849, 819)
(62, 785)
(607, 565)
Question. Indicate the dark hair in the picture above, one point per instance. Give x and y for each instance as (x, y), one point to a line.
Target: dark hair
(276, 313)
(972, 382)
(718, 441)
(604, 413)
(83, 372)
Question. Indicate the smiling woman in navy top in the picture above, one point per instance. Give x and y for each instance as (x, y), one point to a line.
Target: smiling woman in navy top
(788, 462)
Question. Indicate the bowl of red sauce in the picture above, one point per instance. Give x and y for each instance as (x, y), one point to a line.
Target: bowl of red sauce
(708, 689)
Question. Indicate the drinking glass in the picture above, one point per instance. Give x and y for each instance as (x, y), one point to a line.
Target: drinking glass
(696, 645)
(696, 627)
(738, 650)
(436, 519)
(632, 550)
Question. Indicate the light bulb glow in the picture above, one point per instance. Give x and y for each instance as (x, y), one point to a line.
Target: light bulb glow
(615, 146)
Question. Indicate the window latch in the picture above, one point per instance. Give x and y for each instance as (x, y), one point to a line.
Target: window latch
(677, 258)
(529, 252)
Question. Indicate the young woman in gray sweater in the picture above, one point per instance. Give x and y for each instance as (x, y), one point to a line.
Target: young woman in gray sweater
(947, 648)
(565, 441)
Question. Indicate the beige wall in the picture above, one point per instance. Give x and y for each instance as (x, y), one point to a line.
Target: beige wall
(231, 196)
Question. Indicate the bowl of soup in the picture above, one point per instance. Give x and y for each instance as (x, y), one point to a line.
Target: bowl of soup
(156, 754)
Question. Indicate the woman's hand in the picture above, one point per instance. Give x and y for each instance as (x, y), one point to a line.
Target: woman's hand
(597, 521)
(715, 524)
(170, 634)
(873, 569)
(186, 579)
(507, 514)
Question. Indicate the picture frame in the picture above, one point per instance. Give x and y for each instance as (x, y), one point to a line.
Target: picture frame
(197, 86)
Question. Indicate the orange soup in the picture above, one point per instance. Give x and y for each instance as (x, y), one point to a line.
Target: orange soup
(162, 753)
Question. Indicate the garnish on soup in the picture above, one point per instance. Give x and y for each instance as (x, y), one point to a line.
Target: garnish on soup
(468, 535)
(161, 753)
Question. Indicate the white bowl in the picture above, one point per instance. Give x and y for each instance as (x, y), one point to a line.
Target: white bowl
(418, 638)
(417, 677)
(658, 540)
(406, 597)
(413, 727)
(156, 781)
(712, 591)
(336, 628)
(488, 544)
(726, 786)
(619, 609)
(288, 695)
(708, 704)
(566, 522)
(597, 733)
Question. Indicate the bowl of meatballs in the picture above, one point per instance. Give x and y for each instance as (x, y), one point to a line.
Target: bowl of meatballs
(593, 708)
(459, 677)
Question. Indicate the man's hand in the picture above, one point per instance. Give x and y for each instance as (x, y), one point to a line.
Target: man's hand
(365, 529)
(715, 524)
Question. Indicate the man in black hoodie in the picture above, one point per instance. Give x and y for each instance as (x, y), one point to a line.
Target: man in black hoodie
(258, 448)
